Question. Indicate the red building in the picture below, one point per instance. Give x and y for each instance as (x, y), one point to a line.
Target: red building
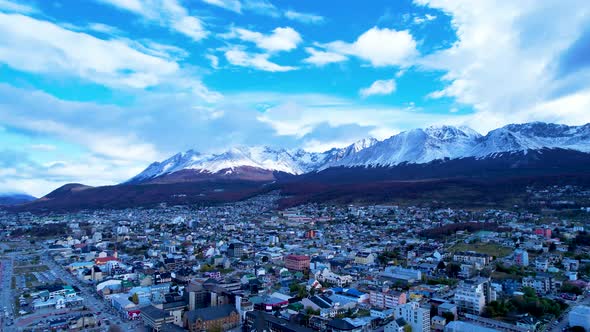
(297, 262)
(545, 232)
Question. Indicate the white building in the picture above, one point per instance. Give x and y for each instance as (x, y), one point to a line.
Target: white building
(332, 278)
(471, 296)
(418, 318)
(580, 316)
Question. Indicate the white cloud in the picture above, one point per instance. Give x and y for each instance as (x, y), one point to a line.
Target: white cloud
(136, 6)
(213, 59)
(262, 7)
(238, 57)
(168, 13)
(43, 147)
(504, 61)
(321, 58)
(379, 87)
(9, 6)
(423, 19)
(190, 26)
(281, 38)
(304, 17)
(380, 47)
(111, 62)
(232, 5)
(103, 28)
(299, 116)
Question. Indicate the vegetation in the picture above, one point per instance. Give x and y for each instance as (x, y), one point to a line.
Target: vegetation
(529, 303)
(298, 289)
(571, 288)
(451, 229)
(491, 249)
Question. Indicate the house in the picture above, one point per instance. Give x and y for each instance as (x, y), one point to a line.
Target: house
(320, 303)
(396, 325)
(332, 278)
(438, 323)
(224, 317)
(364, 258)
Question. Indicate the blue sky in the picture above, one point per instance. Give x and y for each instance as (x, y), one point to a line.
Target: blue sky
(93, 91)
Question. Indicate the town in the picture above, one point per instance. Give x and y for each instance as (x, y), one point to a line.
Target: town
(250, 266)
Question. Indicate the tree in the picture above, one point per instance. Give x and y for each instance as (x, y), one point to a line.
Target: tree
(135, 298)
(571, 288)
(453, 270)
(441, 265)
(408, 328)
(449, 316)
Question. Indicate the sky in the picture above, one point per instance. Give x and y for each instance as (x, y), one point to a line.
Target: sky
(93, 91)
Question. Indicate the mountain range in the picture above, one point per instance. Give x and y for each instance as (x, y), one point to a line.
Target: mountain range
(420, 163)
(417, 146)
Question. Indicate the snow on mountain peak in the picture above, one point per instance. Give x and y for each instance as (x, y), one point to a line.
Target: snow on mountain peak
(413, 146)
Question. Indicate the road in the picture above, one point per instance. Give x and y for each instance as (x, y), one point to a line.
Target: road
(564, 322)
(6, 293)
(92, 300)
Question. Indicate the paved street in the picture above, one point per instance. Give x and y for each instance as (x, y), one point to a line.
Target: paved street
(564, 322)
(92, 301)
(6, 297)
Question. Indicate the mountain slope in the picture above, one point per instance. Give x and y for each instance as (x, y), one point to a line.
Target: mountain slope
(15, 198)
(246, 163)
(417, 146)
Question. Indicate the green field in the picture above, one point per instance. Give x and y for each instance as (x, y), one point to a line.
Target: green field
(492, 249)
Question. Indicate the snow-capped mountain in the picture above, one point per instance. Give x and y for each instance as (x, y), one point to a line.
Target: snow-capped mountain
(265, 158)
(420, 146)
(417, 146)
(534, 136)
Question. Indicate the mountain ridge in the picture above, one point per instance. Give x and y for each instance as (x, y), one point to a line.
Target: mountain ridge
(416, 146)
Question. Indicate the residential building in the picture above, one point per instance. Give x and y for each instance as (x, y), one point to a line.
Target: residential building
(387, 298)
(153, 318)
(224, 317)
(297, 262)
(472, 295)
(364, 258)
(521, 257)
(472, 257)
(418, 318)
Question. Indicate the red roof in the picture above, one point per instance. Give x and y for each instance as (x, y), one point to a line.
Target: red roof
(103, 260)
(298, 257)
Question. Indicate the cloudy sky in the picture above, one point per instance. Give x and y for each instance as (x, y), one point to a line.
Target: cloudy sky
(93, 91)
